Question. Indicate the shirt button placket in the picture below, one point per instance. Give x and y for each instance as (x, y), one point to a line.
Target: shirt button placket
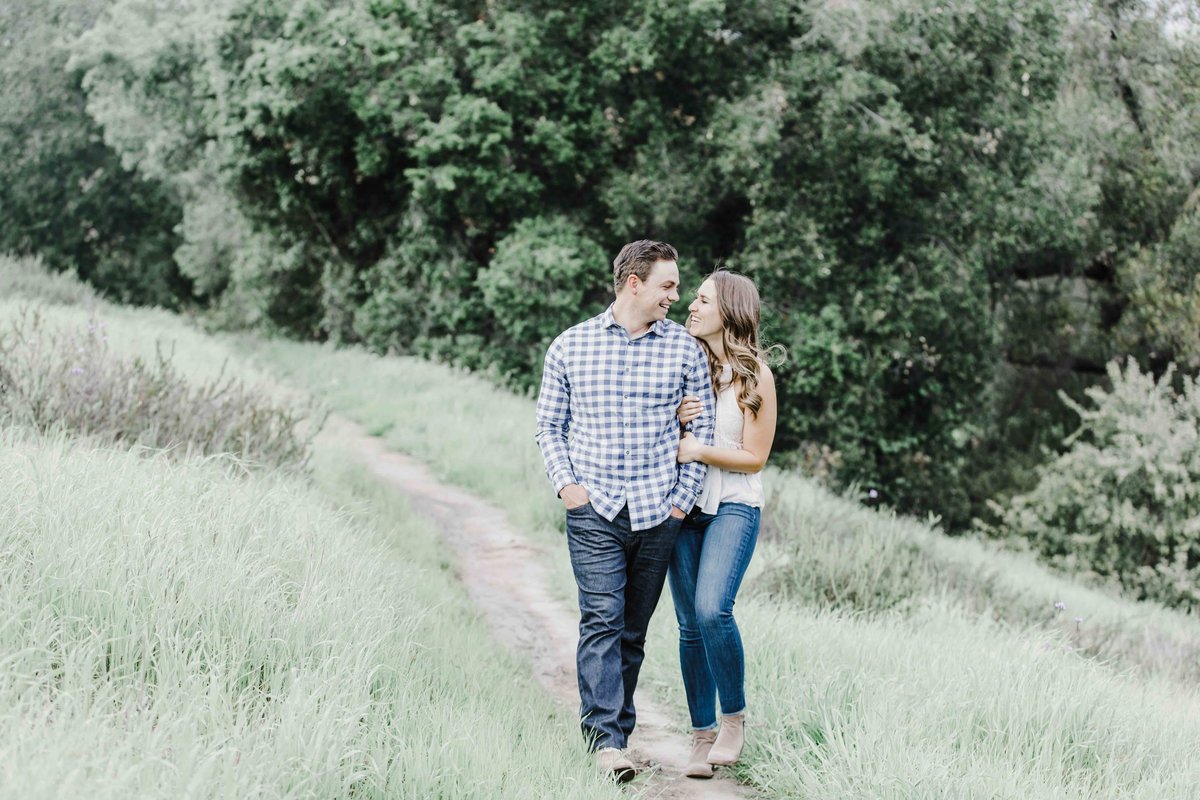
(627, 411)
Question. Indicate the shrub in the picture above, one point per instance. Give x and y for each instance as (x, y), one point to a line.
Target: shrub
(1123, 501)
(70, 380)
(29, 277)
(416, 301)
(545, 277)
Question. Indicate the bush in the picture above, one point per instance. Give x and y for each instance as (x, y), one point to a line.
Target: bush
(1123, 502)
(52, 380)
(1163, 286)
(29, 277)
(545, 277)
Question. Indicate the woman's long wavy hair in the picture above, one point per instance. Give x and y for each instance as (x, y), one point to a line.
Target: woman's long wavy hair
(739, 306)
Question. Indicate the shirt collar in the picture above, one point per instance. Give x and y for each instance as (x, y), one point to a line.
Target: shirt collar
(607, 320)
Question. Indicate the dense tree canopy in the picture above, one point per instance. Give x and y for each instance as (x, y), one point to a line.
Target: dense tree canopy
(63, 192)
(953, 209)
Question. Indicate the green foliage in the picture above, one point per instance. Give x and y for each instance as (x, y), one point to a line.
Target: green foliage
(215, 235)
(1123, 502)
(64, 193)
(874, 175)
(546, 276)
(419, 299)
(946, 204)
(148, 83)
(416, 197)
(71, 381)
(317, 123)
(1162, 283)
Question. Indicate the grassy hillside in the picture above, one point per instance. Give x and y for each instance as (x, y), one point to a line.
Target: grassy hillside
(886, 660)
(175, 630)
(182, 627)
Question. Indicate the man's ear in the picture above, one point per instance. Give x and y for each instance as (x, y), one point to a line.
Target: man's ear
(634, 283)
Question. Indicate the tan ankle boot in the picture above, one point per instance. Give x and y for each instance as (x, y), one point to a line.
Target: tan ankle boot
(614, 764)
(698, 766)
(730, 739)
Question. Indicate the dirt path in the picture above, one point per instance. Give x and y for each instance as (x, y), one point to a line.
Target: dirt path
(503, 573)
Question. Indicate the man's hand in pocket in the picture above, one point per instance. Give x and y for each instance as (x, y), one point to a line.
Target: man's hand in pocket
(573, 496)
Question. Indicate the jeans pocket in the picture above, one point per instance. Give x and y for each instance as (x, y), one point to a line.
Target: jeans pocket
(579, 510)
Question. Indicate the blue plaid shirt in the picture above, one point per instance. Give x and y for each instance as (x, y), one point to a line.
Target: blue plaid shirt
(606, 416)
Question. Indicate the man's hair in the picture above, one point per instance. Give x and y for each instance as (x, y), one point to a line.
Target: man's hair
(637, 258)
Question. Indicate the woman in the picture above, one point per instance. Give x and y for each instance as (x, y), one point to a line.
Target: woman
(717, 539)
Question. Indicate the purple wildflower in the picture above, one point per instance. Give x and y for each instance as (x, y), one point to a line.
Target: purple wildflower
(1060, 606)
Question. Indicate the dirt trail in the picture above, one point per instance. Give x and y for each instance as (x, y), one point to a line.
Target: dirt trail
(503, 574)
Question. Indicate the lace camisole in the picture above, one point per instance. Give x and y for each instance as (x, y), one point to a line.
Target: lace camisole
(724, 486)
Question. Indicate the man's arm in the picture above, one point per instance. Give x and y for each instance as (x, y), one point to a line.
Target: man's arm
(696, 382)
(554, 419)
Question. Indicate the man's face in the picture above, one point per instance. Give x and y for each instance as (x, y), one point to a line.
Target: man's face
(655, 295)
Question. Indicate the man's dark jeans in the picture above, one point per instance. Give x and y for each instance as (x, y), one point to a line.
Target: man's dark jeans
(620, 574)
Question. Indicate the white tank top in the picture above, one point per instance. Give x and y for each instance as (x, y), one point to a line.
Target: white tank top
(723, 486)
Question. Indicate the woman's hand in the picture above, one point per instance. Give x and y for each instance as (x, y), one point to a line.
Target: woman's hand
(689, 409)
(690, 449)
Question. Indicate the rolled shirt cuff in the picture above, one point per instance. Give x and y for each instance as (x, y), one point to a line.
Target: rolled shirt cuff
(683, 499)
(563, 479)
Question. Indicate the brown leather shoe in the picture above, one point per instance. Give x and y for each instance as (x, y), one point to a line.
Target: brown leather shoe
(698, 766)
(730, 739)
(615, 764)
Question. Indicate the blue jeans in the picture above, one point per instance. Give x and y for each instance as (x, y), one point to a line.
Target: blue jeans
(620, 574)
(711, 555)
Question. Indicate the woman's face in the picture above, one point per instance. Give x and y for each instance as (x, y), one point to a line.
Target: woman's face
(704, 317)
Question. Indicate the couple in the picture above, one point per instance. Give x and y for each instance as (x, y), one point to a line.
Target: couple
(643, 502)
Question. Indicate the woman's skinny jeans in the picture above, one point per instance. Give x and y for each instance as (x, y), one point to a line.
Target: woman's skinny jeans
(711, 555)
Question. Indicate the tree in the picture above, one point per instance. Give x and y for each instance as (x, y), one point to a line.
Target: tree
(953, 209)
(64, 192)
(884, 160)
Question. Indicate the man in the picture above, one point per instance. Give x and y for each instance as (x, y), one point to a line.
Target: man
(608, 433)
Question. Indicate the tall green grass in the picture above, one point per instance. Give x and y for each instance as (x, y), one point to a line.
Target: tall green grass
(142, 333)
(468, 430)
(27, 277)
(886, 659)
(170, 630)
(942, 704)
(830, 552)
(174, 628)
(70, 379)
